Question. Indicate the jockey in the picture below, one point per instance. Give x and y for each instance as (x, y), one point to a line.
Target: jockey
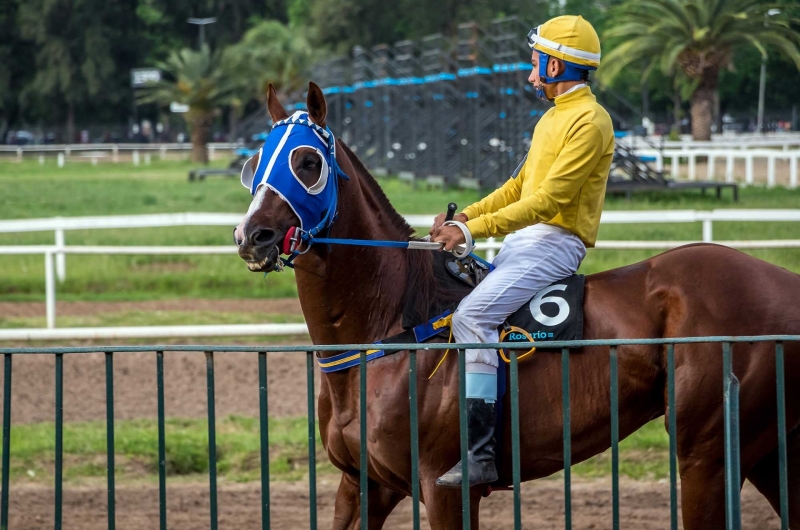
(550, 213)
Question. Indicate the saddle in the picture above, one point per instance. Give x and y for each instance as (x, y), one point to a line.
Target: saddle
(554, 314)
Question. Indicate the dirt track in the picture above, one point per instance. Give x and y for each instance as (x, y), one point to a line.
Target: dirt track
(644, 505)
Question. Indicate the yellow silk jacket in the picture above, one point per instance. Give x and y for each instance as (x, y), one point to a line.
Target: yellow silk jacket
(563, 181)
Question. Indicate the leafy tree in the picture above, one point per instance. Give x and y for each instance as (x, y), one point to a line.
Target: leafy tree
(200, 80)
(271, 52)
(78, 45)
(696, 39)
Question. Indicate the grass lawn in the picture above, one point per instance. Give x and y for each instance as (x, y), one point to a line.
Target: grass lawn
(643, 455)
(31, 191)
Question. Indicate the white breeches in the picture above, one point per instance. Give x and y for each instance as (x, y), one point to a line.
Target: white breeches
(530, 260)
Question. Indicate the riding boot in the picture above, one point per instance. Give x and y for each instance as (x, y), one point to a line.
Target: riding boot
(480, 456)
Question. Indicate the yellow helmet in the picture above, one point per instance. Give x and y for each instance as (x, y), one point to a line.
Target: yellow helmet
(569, 38)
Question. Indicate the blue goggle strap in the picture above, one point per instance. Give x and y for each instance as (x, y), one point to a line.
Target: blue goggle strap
(572, 71)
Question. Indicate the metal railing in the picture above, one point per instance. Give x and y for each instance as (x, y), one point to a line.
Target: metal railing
(730, 392)
(55, 255)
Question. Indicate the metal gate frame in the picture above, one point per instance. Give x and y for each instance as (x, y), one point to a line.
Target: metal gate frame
(730, 404)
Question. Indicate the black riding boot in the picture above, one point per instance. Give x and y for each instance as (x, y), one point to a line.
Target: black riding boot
(480, 429)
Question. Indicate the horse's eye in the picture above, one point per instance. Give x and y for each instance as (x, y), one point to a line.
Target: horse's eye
(309, 163)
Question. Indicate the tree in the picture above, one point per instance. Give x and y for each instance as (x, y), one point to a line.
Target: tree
(197, 79)
(79, 44)
(271, 52)
(696, 39)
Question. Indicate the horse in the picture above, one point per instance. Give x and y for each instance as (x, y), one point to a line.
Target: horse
(360, 295)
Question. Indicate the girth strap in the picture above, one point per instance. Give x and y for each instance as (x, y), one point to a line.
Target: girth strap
(421, 333)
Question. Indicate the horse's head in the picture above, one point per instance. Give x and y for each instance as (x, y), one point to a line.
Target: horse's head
(293, 180)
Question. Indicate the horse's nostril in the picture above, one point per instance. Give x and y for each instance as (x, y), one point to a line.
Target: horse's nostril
(264, 236)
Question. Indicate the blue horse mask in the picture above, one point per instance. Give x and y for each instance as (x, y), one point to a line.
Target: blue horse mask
(314, 205)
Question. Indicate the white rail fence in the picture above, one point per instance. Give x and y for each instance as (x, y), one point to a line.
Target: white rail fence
(55, 264)
(730, 157)
(785, 141)
(94, 152)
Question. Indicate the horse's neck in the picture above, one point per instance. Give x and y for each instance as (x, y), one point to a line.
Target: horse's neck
(354, 294)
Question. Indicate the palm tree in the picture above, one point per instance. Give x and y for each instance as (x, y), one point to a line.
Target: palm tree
(197, 79)
(695, 39)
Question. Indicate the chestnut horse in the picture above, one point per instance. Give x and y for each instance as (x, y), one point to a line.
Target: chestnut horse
(359, 295)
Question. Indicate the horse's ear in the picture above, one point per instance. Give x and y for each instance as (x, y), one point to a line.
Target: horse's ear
(276, 110)
(315, 103)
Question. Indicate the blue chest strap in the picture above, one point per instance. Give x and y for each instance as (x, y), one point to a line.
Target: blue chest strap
(421, 333)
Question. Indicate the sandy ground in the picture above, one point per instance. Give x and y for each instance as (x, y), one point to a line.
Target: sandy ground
(644, 505)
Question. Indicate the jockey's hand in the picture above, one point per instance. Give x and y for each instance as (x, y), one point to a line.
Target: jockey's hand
(439, 221)
(449, 236)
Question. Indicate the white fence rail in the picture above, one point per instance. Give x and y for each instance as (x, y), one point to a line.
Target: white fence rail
(730, 157)
(60, 249)
(99, 151)
(785, 141)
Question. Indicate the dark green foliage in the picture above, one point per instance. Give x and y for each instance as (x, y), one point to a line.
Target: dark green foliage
(67, 63)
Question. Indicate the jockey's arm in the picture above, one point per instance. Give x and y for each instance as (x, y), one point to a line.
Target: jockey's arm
(501, 197)
(565, 178)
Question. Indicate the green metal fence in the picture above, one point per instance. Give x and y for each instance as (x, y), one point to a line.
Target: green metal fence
(730, 402)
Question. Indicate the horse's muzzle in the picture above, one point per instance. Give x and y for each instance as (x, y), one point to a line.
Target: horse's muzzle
(259, 258)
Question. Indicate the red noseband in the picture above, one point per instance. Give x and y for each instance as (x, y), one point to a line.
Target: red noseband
(287, 241)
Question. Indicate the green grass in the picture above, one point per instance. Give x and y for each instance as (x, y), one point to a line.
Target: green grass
(136, 449)
(30, 190)
(643, 455)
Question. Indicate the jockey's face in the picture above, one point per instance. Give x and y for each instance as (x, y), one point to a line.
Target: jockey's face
(555, 67)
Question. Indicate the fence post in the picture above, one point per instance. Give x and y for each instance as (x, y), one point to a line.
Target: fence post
(515, 452)
(363, 482)
(136, 157)
(771, 171)
(490, 253)
(463, 435)
(412, 391)
(729, 168)
(793, 170)
(692, 166)
(110, 438)
(312, 443)
(115, 153)
(614, 391)
(60, 160)
(212, 441)
(783, 478)
(162, 444)
(731, 423)
(50, 290)
(6, 439)
(61, 259)
(59, 437)
(19, 154)
(565, 412)
(675, 165)
(264, 425)
(673, 438)
(748, 175)
(708, 231)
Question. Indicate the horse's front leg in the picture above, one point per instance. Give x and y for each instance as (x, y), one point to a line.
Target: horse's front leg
(443, 505)
(347, 512)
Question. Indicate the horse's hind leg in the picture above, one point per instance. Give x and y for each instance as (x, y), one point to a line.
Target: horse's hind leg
(702, 493)
(347, 512)
(765, 477)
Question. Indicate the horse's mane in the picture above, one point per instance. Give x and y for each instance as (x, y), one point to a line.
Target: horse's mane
(430, 290)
